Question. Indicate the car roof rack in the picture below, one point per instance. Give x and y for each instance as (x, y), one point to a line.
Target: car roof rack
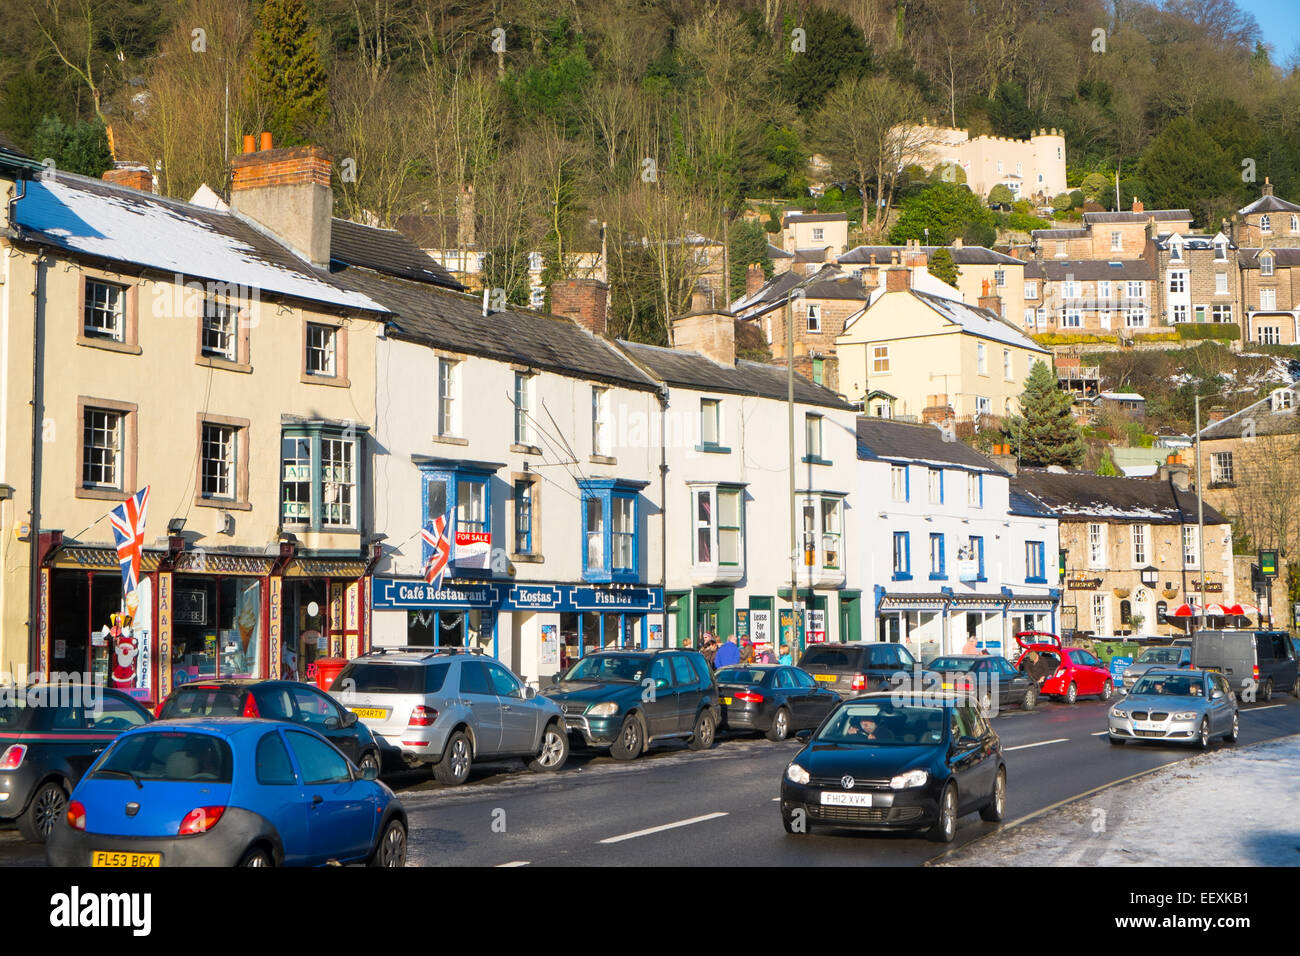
(423, 650)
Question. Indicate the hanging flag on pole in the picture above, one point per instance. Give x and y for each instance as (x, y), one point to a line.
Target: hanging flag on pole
(437, 540)
(128, 528)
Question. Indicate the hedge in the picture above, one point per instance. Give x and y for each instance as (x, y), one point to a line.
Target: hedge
(1226, 331)
(1073, 338)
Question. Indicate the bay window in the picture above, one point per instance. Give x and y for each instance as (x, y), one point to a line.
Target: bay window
(462, 492)
(717, 539)
(320, 476)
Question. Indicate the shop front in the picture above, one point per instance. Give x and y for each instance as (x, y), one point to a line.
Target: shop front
(196, 614)
(917, 620)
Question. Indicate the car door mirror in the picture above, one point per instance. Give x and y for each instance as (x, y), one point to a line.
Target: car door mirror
(349, 718)
(555, 678)
(529, 693)
(1123, 691)
(803, 735)
(1216, 695)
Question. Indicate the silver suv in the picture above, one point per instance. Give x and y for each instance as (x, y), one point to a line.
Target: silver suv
(449, 707)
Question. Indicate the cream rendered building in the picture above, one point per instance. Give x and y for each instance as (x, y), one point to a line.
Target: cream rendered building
(1029, 167)
(930, 352)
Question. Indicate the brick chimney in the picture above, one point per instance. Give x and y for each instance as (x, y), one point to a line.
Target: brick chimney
(897, 279)
(915, 257)
(956, 242)
(1267, 188)
(465, 216)
(1137, 205)
(132, 175)
(287, 192)
(991, 302)
(585, 301)
(712, 333)
(754, 278)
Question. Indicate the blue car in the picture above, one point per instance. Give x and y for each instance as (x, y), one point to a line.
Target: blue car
(228, 792)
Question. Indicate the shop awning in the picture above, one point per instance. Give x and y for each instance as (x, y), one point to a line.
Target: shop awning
(914, 602)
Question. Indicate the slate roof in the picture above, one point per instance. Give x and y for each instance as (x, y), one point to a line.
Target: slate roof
(1023, 503)
(1060, 234)
(817, 254)
(107, 221)
(441, 318)
(1268, 204)
(1083, 496)
(961, 255)
(1198, 241)
(775, 252)
(818, 217)
(1149, 215)
(14, 158)
(386, 251)
(888, 440)
(1089, 270)
(1260, 417)
(1282, 258)
(982, 322)
(696, 371)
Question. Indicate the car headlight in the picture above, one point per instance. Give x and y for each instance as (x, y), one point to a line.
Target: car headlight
(1187, 715)
(797, 774)
(606, 708)
(913, 778)
(1121, 714)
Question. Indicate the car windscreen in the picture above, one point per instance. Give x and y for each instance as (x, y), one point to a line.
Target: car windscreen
(170, 755)
(884, 723)
(741, 675)
(1162, 655)
(1168, 686)
(599, 668)
(951, 664)
(365, 677)
(203, 702)
(825, 658)
(11, 712)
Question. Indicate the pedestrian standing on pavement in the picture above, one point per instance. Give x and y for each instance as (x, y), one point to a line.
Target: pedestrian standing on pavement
(971, 647)
(746, 652)
(709, 649)
(728, 653)
(785, 657)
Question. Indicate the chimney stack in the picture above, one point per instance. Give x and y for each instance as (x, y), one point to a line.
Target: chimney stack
(1006, 462)
(465, 217)
(132, 175)
(897, 279)
(712, 333)
(287, 192)
(1267, 188)
(1218, 413)
(754, 278)
(585, 301)
(1137, 205)
(991, 302)
(956, 242)
(1176, 473)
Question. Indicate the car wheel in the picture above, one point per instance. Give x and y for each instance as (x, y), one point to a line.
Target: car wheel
(992, 811)
(780, 725)
(1031, 699)
(391, 849)
(630, 741)
(1107, 690)
(1203, 738)
(1117, 741)
(986, 704)
(369, 759)
(47, 808)
(453, 768)
(1267, 694)
(1071, 693)
(554, 752)
(705, 725)
(256, 856)
(945, 828)
(1236, 730)
(1295, 689)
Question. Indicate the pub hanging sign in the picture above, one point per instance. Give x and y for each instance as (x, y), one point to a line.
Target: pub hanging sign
(1083, 584)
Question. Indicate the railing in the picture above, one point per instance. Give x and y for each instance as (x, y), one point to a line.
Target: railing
(1083, 371)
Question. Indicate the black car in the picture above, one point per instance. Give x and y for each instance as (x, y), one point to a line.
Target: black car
(986, 679)
(859, 668)
(628, 700)
(897, 761)
(49, 735)
(286, 700)
(774, 699)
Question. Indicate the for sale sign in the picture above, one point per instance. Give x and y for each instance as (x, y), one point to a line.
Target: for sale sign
(474, 549)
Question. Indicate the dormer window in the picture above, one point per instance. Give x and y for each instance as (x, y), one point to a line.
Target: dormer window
(1220, 252)
(1283, 400)
(1266, 265)
(1175, 252)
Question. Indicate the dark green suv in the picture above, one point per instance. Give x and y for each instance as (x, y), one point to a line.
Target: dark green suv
(627, 700)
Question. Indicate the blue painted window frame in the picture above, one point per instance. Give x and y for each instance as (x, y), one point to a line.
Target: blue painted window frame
(1035, 568)
(942, 573)
(905, 539)
(977, 544)
(606, 490)
(452, 477)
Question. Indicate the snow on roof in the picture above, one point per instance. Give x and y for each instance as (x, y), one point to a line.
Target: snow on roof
(1121, 396)
(113, 222)
(1139, 471)
(978, 321)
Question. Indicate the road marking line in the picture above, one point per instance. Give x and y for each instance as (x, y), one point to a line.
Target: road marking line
(1252, 710)
(513, 863)
(1041, 743)
(776, 799)
(666, 826)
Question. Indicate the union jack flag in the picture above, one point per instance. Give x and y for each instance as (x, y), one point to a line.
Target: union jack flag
(128, 528)
(437, 540)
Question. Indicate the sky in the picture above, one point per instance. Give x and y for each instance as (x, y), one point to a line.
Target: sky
(1279, 21)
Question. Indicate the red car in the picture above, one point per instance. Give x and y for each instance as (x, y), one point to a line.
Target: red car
(1072, 672)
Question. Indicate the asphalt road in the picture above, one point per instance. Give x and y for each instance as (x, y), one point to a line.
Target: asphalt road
(717, 807)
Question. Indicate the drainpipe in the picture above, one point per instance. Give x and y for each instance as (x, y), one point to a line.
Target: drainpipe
(663, 508)
(38, 405)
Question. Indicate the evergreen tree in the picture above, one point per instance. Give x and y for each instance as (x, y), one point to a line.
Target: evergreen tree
(75, 148)
(748, 244)
(943, 268)
(288, 75)
(1106, 468)
(1001, 195)
(1045, 432)
(948, 211)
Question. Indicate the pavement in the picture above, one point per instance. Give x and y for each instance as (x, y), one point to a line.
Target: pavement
(1230, 807)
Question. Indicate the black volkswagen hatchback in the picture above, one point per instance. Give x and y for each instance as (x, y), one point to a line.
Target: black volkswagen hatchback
(897, 761)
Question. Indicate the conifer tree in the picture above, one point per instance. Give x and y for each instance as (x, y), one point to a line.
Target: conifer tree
(943, 268)
(1045, 432)
(288, 75)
